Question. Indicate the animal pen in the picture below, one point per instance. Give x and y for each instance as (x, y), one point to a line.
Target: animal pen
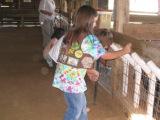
(134, 82)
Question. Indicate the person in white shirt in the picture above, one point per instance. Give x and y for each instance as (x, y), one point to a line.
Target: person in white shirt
(58, 33)
(46, 18)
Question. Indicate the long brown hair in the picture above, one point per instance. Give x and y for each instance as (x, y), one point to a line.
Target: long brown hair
(82, 24)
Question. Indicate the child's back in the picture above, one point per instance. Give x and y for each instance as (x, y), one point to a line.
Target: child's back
(58, 33)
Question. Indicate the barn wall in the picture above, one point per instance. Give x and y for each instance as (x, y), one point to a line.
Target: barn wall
(143, 31)
(148, 50)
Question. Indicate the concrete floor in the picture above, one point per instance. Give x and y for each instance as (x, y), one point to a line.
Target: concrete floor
(25, 82)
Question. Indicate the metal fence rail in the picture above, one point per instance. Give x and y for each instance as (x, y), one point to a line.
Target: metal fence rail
(138, 86)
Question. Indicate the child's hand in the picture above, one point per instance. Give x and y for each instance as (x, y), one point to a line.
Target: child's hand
(93, 74)
(127, 48)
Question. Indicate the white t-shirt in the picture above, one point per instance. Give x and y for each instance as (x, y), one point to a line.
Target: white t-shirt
(48, 5)
(54, 52)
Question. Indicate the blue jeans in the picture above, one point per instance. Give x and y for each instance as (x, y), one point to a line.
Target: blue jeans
(76, 103)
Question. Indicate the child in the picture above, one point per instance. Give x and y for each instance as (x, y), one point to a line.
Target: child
(59, 32)
(76, 57)
(105, 37)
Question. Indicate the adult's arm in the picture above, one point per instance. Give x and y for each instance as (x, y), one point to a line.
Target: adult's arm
(46, 12)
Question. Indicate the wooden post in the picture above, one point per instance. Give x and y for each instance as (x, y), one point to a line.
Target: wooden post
(94, 3)
(19, 4)
(121, 14)
(63, 6)
(158, 7)
(79, 3)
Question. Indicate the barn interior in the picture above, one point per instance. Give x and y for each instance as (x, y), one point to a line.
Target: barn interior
(128, 88)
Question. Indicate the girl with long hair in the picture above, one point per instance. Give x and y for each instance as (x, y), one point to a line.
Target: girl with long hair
(76, 57)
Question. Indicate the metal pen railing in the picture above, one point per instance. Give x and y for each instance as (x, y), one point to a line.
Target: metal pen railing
(139, 85)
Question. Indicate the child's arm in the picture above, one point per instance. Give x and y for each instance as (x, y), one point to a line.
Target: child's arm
(117, 54)
(48, 47)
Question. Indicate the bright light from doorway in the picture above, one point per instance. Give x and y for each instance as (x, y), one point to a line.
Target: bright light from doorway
(140, 117)
(144, 5)
(150, 6)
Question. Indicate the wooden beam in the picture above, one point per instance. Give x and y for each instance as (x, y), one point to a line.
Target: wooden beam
(143, 31)
(158, 7)
(79, 3)
(94, 3)
(149, 19)
(121, 14)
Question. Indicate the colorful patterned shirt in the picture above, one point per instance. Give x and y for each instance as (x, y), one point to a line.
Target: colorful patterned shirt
(70, 79)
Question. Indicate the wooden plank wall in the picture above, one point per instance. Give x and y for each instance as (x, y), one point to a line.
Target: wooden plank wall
(143, 31)
(148, 50)
(151, 19)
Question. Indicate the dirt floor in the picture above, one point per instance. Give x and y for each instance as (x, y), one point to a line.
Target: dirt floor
(25, 82)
